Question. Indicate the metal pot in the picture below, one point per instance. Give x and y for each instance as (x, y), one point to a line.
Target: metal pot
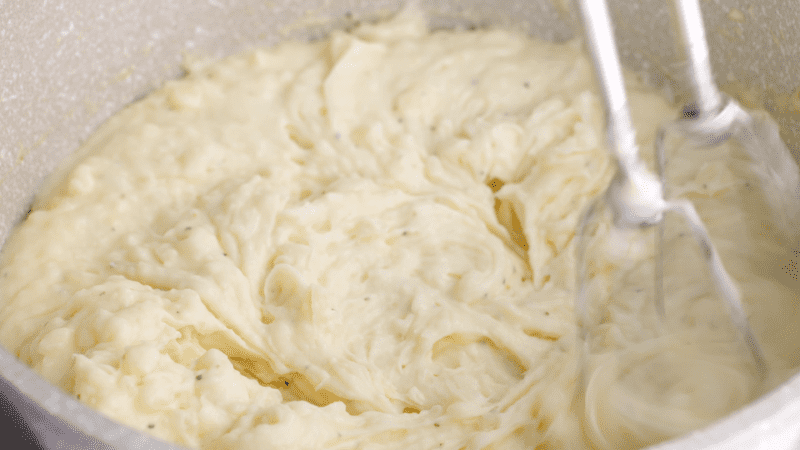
(67, 65)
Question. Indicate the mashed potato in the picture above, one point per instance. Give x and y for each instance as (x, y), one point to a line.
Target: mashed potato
(369, 242)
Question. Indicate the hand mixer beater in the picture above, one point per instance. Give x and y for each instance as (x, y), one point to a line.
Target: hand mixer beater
(671, 363)
(636, 197)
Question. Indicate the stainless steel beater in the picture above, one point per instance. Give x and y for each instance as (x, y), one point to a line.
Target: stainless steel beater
(636, 195)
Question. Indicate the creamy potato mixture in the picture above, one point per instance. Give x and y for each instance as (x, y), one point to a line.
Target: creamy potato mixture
(369, 242)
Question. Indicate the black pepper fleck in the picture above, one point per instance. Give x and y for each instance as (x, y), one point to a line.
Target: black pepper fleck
(151, 425)
(706, 247)
(199, 377)
(286, 382)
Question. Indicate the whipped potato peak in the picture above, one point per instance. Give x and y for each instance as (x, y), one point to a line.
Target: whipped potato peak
(369, 242)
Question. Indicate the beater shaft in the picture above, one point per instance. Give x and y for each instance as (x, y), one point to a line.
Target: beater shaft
(693, 34)
(602, 47)
(636, 194)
